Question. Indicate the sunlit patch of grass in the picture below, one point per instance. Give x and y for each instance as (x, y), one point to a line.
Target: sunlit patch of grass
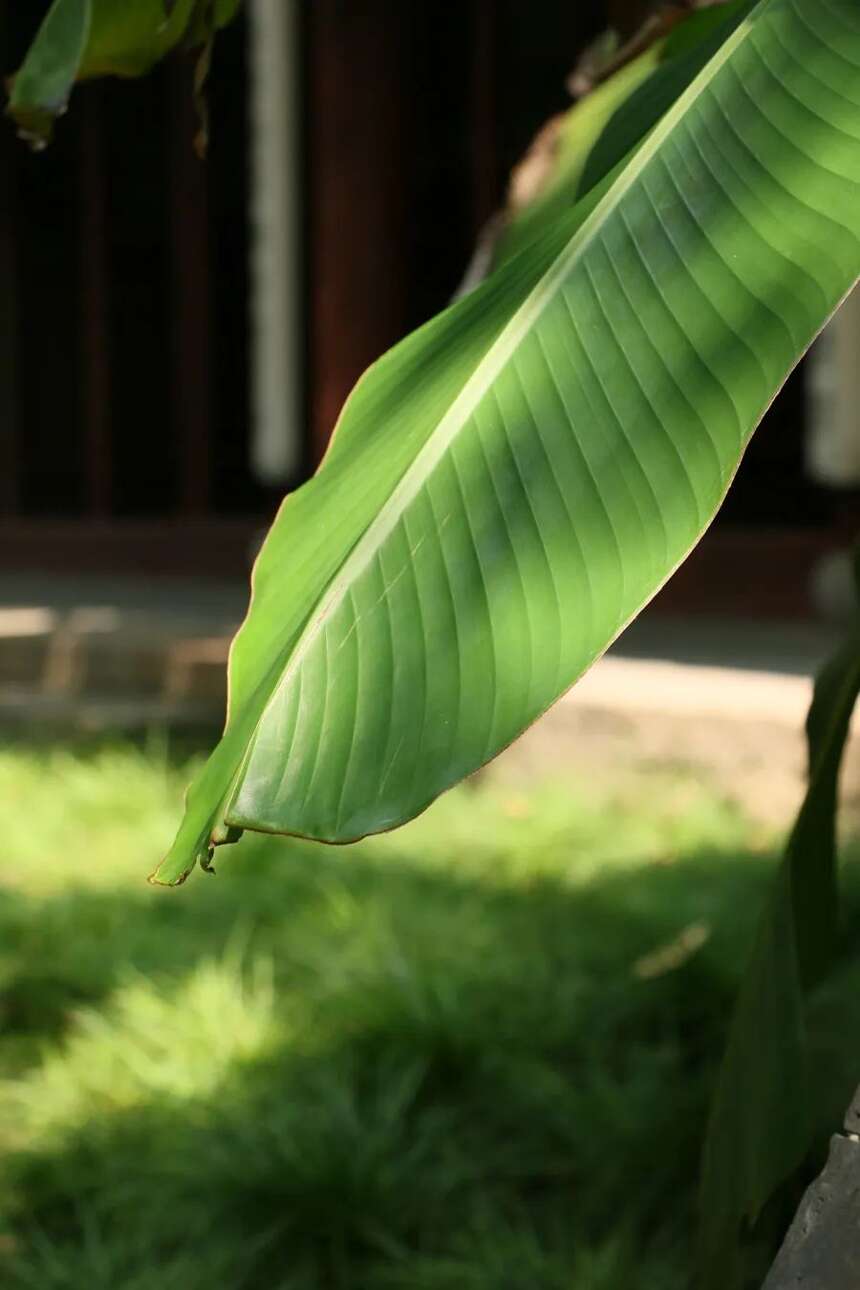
(429, 1062)
(148, 1044)
(85, 816)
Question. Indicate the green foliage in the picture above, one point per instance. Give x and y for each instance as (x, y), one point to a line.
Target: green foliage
(506, 489)
(41, 88)
(511, 484)
(598, 132)
(424, 1063)
(80, 39)
(760, 1126)
(686, 52)
(577, 133)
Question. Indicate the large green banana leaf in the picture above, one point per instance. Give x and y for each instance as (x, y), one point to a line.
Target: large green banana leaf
(760, 1125)
(512, 483)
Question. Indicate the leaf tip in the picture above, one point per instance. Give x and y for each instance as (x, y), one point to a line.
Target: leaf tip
(34, 123)
(163, 876)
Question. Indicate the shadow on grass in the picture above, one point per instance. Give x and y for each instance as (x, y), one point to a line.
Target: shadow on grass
(72, 948)
(342, 1070)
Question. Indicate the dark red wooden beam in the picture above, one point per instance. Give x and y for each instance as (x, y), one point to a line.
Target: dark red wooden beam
(10, 463)
(191, 298)
(358, 154)
(95, 307)
(485, 113)
(163, 547)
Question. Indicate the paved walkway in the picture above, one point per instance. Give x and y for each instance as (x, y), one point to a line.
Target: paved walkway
(99, 653)
(103, 652)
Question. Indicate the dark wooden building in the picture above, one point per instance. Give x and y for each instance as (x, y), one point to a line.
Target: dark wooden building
(131, 318)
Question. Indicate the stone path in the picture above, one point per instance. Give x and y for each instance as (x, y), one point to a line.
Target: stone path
(728, 697)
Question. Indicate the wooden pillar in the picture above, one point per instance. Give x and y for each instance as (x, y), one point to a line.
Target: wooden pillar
(191, 303)
(277, 268)
(485, 120)
(95, 299)
(358, 162)
(10, 484)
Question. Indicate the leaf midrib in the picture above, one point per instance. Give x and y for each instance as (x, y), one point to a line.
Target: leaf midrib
(501, 351)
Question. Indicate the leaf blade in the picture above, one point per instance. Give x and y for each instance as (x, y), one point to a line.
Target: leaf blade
(41, 87)
(81, 39)
(605, 384)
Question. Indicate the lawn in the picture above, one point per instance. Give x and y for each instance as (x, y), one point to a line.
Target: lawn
(472, 1055)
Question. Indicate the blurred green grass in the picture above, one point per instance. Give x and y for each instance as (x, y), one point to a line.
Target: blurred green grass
(454, 1058)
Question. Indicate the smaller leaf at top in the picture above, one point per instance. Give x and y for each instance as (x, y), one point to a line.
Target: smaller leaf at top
(41, 88)
(81, 39)
(621, 93)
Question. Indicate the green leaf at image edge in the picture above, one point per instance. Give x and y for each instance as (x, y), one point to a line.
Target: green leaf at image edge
(759, 1129)
(512, 483)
